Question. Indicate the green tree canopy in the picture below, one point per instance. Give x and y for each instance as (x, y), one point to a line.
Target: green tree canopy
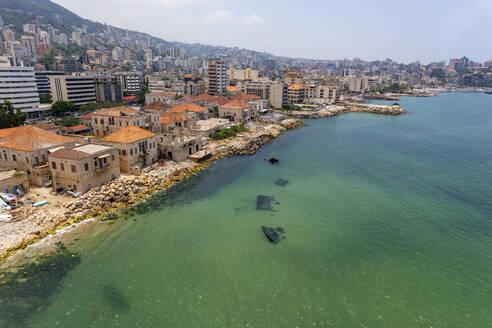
(10, 117)
(60, 108)
(69, 120)
(45, 98)
(141, 94)
(92, 106)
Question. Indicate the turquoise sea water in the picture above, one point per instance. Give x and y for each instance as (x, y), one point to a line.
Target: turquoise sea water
(388, 223)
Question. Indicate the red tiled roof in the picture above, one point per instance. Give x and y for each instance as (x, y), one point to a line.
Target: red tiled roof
(243, 96)
(164, 93)
(156, 105)
(29, 138)
(46, 126)
(78, 127)
(204, 97)
(168, 118)
(129, 134)
(187, 107)
(235, 104)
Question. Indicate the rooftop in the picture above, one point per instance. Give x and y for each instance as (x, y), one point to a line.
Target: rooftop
(235, 104)
(187, 107)
(117, 111)
(157, 105)
(29, 138)
(129, 134)
(70, 154)
(168, 118)
(92, 148)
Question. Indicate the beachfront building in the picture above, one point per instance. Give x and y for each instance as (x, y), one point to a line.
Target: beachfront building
(236, 111)
(26, 148)
(109, 120)
(278, 95)
(205, 128)
(84, 167)
(137, 148)
(322, 94)
(296, 93)
(178, 148)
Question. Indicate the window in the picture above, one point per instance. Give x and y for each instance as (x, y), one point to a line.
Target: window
(112, 158)
(36, 159)
(95, 162)
(27, 160)
(123, 152)
(62, 167)
(14, 158)
(53, 165)
(86, 166)
(74, 169)
(131, 152)
(43, 157)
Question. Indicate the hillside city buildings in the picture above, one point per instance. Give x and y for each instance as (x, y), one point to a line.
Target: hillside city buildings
(153, 100)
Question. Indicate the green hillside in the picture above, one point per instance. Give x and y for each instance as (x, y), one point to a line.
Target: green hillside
(18, 12)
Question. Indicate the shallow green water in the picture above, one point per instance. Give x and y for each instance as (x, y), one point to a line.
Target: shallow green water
(388, 223)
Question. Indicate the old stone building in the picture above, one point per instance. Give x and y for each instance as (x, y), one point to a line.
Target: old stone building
(84, 167)
(26, 148)
(109, 120)
(236, 111)
(137, 147)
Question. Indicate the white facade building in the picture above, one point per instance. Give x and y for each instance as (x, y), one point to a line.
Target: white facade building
(18, 85)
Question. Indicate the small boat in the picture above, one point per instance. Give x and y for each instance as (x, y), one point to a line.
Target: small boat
(44, 202)
(5, 217)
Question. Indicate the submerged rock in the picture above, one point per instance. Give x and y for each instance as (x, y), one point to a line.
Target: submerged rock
(273, 160)
(274, 235)
(281, 182)
(264, 203)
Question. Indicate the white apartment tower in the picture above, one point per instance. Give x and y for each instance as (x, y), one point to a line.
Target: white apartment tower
(217, 77)
(18, 85)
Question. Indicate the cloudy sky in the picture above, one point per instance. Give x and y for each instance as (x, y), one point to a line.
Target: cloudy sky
(406, 31)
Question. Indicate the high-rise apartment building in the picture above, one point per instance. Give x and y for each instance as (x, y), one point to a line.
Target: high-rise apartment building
(217, 77)
(278, 95)
(18, 85)
(79, 90)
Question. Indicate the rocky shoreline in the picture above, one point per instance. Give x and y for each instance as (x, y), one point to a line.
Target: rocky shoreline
(333, 110)
(104, 201)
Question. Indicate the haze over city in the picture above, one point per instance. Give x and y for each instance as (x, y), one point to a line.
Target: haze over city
(404, 31)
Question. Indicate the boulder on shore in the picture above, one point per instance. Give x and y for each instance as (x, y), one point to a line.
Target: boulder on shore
(273, 160)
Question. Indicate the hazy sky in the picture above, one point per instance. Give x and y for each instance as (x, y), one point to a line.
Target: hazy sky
(406, 31)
